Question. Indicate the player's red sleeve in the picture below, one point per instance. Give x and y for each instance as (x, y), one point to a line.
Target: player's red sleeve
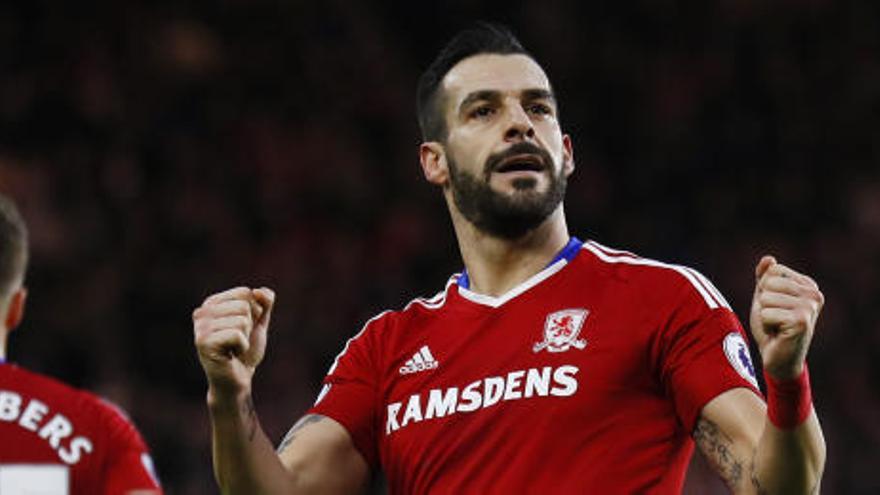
(704, 352)
(129, 465)
(349, 393)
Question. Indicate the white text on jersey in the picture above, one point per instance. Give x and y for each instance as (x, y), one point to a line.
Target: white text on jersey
(55, 432)
(516, 385)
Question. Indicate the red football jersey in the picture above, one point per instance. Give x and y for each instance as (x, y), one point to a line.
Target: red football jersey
(60, 440)
(587, 378)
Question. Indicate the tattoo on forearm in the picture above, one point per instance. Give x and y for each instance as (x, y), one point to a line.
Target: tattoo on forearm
(716, 447)
(757, 484)
(249, 411)
(302, 423)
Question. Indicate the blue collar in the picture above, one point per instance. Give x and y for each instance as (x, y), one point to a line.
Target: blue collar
(568, 253)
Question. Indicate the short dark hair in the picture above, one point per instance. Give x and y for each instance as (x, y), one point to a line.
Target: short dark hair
(482, 38)
(13, 245)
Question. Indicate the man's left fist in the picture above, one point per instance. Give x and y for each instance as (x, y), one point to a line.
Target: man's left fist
(785, 308)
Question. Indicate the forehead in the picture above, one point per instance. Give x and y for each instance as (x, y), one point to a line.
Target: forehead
(505, 73)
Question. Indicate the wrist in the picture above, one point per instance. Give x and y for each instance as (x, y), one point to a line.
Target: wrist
(789, 399)
(784, 373)
(224, 400)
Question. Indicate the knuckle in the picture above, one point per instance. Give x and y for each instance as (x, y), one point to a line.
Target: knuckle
(203, 341)
(803, 316)
(820, 297)
(243, 307)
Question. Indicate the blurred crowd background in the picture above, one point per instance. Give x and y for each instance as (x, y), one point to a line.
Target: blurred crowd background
(164, 150)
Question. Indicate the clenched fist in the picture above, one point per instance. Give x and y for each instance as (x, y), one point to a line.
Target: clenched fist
(785, 308)
(230, 336)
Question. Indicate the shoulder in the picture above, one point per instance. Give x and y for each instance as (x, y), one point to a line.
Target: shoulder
(48, 386)
(83, 406)
(653, 278)
(416, 309)
(111, 419)
(386, 329)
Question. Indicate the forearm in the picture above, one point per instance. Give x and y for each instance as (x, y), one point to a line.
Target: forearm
(245, 461)
(761, 450)
(789, 460)
(790, 455)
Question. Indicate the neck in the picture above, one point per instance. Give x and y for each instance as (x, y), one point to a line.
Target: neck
(496, 265)
(4, 331)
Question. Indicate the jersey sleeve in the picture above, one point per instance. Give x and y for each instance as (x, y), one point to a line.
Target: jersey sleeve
(704, 350)
(128, 465)
(349, 393)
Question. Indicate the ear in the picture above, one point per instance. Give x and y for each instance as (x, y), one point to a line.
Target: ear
(432, 155)
(567, 155)
(15, 311)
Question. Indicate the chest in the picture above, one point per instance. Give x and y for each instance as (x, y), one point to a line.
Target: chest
(568, 358)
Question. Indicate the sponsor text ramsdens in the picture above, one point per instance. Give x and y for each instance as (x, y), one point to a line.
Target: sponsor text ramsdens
(516, 385)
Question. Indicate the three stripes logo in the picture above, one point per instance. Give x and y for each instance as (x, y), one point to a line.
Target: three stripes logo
(422, 360)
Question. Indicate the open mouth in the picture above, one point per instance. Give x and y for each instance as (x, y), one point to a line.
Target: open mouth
(521, 163)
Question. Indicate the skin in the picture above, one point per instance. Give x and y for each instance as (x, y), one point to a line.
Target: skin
(317, 455)
(12, 309)
(481, 127)
(749, 452)
(492, 102)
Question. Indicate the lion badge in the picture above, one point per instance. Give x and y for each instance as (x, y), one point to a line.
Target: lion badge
(561, 330)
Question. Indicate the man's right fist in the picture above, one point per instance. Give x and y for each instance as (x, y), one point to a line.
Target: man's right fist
(230, 336)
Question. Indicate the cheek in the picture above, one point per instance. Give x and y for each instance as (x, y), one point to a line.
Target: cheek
(552, 140)
(467, 155)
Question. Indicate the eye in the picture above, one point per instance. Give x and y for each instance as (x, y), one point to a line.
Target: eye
(539, 109)
(482, 112)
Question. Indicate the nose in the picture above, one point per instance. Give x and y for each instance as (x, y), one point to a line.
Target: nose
(519, 128)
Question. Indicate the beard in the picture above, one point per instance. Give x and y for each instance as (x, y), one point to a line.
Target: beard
(507, 216)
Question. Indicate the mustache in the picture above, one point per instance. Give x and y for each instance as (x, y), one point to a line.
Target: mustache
(523, 148)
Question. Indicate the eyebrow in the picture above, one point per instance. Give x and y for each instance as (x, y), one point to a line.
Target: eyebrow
(538, 94)
(482, 95)
(494, 95)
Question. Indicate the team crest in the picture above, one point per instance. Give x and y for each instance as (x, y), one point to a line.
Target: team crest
(561, 330)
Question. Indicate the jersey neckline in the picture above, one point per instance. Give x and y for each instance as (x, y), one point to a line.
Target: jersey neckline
(562, 258)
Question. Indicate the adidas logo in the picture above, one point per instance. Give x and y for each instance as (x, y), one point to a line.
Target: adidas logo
(421, 361)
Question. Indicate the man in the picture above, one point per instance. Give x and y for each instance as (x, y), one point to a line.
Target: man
(549, 365)
(57, 440)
